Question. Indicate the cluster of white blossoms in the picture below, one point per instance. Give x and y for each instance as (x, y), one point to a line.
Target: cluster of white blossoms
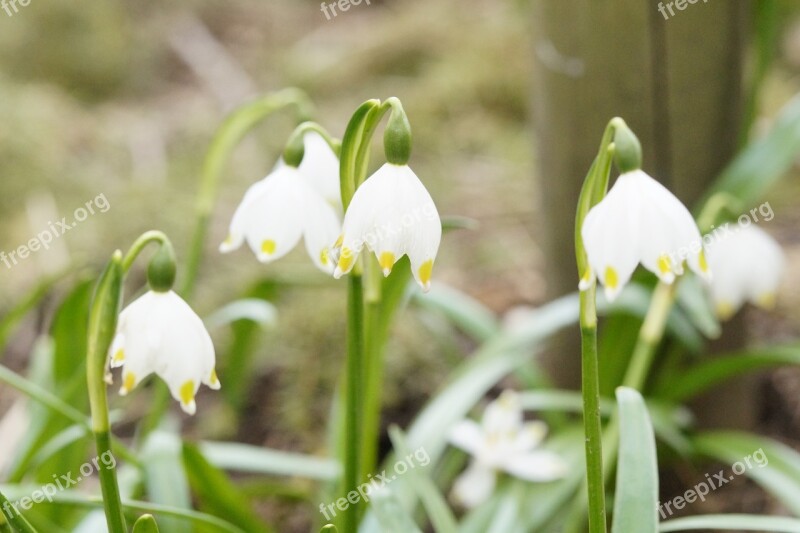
(640, 221)
(503, 441)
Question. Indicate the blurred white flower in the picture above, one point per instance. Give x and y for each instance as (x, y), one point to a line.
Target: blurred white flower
(160, 333)
(748, 266)
(640, 221)
(392, 214)
(290, 204)
(502, 442)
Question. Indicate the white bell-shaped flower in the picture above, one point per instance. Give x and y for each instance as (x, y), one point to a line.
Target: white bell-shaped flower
(160, 333)
(640, 221)
(290, 204)
(748, 266)
(392, 214)
(503, 441)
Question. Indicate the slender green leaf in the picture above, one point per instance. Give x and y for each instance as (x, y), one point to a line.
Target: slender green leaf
(217, 494)
(390, 513)
(145, 524)
(257, 460)
(165, 476)
(738, 522)
(713, 371)
(468, 314)
(636, 499)
(253, 309)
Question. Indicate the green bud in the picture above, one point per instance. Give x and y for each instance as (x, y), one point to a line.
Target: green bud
(162, 268)
(295, 149)
(145, 524)
(627, 149)
(397, 136)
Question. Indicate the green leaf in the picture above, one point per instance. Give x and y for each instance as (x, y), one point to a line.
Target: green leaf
(764, 161)
(738, 522)
(253, 309)
(218, 495)
(165, 476)
(390, 513)
(468, 314)
(258, 460)
(636, 499)
(690, 382)
(439, 512)
(145, 524)
(772, 465)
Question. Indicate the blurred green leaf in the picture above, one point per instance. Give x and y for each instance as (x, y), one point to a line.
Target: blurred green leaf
(165, 476)
(390, 513)
(471, 316)
(738, 522)
(258, 460)
(255, 310)
(764, 161)
(636, 498)
(778, 473)
(439, 512)
(216, 492)
(687, 383)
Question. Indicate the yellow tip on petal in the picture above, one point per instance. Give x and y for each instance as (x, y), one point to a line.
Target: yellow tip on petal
(346, 259)
(339, 241)
(187, 393)
(767, 300)
(701, 260)
(387, 262)
(268, 247)
(725, 310)
(323, 256)
(664, 264)
(612, 280)
(213, 380)
(586, 280)
(119, 357)
(128, 382)
(425, 272)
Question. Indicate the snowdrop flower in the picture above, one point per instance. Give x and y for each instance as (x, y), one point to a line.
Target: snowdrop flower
(502, 441)
(160, 333)
(392, 214)
(748, 265)
(289, 204)
(639, 221)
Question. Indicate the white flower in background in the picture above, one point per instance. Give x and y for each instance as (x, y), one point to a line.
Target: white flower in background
(290, 204)
(748, 265)
(392, 214)
(503, 441)
(640, 221)
(160, 333)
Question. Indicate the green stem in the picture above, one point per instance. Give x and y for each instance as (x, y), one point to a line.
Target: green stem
(650, 336)
(139, 245)
(373, 366)
(353, 396)
(591, 412)
(227, 137)
(112, 500)
(14, 517)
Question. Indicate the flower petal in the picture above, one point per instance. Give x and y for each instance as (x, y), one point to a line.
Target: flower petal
(322, 226)
(468, 436)
(320, 167)
(536, 466)
(474, 486)
(236, 230)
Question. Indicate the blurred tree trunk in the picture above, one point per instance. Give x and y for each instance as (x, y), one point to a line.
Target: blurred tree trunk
(678, 84)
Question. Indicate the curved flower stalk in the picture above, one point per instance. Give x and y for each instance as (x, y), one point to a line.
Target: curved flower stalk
(748, 265)
(502, 442)
(292, 202)
(393, 215)
(640, 221)
(159, 333)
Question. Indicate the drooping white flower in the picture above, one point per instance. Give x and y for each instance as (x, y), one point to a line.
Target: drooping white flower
(748, 265)
(159, 333)
(503, 441)
(392, 214)
(640, 221)
(290, 204)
